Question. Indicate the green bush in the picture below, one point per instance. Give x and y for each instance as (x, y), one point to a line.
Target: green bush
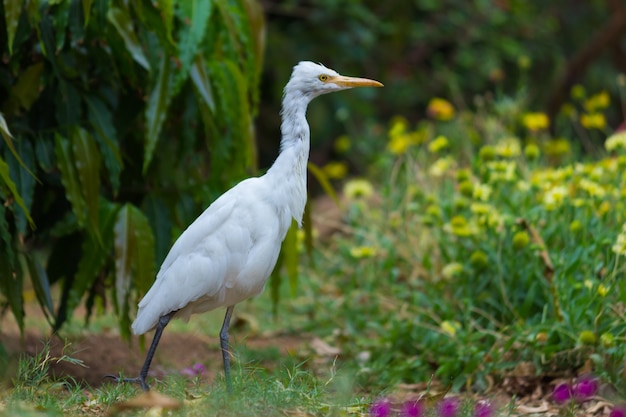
(109, 110)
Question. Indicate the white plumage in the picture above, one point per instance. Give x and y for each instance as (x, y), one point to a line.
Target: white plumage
(226, 255)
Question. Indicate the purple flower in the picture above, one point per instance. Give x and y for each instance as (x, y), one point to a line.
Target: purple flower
(199, 369)
(483, 409)
(381, 408)
(562, 393)
(412, 409)
(196, 370)
(585, 388)
(448, 407)
(618, 411)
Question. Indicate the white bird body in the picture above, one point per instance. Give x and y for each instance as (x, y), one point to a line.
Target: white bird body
(223, 257)
(226, 255)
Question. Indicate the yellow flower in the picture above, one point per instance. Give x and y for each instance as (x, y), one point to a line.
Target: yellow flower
(620, 243)
(593, 121)
(452, 270)
(597, 102)
(487, 215)
(502, 171)
(342, 144)
(531, 151)
(535, 121)
(358, 188)
(441, 166)
(440, 109)
(398, 145)
(460, 227)
(482, 192)
(557, 147)
(602, 290)
(438, 144)
(592, 188)
(554, 197)
(617, 141)
(335, 170)
(450, 327)
(398, 126)
(359, 252)
(509, 148)
(521, 239)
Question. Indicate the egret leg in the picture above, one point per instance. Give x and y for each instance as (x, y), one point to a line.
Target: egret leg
(143, 374)
(224, 345)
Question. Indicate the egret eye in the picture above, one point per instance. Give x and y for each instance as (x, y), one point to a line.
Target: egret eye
(323, 77)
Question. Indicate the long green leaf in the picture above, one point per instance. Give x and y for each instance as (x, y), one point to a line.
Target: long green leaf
(24, 181)
(156, 110)
(41, 285)
(8, 139)
(86, 10)
(94, 256)
(134, 259)
(87, 163)
(202, 84)
(69, 178)
(101, 119)
(161, 223)
(120, 18)
(197, 12)
(12, 12)
(167, 12)
(6, 177)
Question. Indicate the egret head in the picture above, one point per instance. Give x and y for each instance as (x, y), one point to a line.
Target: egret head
(312, 80)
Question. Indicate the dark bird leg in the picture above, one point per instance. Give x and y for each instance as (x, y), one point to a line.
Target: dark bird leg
(143, 374)
(224, 345)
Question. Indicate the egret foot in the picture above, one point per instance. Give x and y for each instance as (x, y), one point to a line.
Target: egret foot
(143, 374)
(138, 380)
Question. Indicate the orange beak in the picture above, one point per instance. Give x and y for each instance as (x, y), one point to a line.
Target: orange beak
(350, 82)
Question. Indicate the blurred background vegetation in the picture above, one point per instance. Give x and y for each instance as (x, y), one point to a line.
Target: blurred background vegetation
(123, 120)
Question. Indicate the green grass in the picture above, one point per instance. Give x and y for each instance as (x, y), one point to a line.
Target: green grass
(478, 246)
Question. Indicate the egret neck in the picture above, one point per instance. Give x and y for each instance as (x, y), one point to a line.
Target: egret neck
(289, 169)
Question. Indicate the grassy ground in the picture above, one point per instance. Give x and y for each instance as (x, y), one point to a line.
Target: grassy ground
(483, 261)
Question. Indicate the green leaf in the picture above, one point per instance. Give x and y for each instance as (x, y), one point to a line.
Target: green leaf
(167, 12)
(87, 10)
(134, 258)
(161, 223)
(120, 18)
(69, 178)
(202, 84)
(41, 285)
(95, 255)
(197, 12)
(6, 177)
(12, 12)
(87, 163)
(8, 139)
(156, 111)
(24, 181)
(28, 87)
(101, 120)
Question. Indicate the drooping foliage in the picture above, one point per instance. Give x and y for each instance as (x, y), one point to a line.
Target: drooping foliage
(120, 121)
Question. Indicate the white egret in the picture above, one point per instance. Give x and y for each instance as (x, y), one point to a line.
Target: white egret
(226, 255)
